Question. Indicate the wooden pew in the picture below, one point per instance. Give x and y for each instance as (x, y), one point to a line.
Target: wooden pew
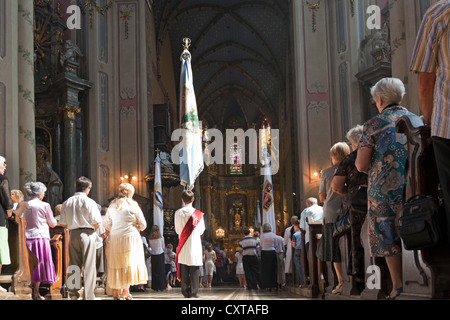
(60, 252)
(316, 286)
(347, 280)
(426, 273)
(18, 274)
(304, 261)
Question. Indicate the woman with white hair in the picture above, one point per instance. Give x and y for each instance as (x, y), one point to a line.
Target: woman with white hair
(39, 217)
(268, 258)
(352, 184)
(125, 250)
(5, 212)
(382, 153)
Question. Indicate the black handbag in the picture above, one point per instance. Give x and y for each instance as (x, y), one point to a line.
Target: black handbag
(419, 224)
(342, 226)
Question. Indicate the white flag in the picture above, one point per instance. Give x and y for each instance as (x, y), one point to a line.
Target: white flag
(258, 216)
(158, 207)
(191, 153)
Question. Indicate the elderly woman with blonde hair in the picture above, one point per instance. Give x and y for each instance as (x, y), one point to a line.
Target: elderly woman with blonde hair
(331, 211)
(123, 222)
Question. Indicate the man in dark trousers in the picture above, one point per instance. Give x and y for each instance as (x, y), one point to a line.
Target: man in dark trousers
(189, 225)
(249, 248)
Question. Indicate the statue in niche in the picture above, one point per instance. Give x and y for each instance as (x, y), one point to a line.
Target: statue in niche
(381, 49)
(237, 212)
(237, 221)
(71, 51)
(54, 187)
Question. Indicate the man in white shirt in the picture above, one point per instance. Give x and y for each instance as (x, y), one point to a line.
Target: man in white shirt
(314, 211)
(189, 225)
(81, 216)
(279, 248)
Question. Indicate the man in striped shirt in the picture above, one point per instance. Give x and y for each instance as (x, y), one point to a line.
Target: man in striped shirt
(249, 248)
(431, 60)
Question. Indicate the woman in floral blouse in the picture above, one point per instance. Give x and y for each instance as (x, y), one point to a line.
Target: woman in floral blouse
(382, 153)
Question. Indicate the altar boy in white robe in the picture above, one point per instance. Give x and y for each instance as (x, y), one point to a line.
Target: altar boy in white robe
(189, 225)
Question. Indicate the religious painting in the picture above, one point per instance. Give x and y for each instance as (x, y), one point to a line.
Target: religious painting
(268, 197)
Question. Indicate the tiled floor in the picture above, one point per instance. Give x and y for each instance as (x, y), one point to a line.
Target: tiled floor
(226, 292)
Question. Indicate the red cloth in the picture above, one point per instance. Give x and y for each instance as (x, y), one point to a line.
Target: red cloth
(190, 225)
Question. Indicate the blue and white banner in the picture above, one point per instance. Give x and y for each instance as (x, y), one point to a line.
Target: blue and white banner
(158, 206)
(268, 207)
(191, 153)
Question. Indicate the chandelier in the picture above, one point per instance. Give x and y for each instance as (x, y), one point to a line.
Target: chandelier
(220, 233)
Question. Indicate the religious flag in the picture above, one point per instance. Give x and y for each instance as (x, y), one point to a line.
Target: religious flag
(268, 207)
(191, 153)
(158, 207)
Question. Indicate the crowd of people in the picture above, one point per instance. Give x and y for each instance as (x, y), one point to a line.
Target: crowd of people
(366, 181)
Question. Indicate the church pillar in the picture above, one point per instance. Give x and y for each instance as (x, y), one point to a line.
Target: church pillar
(69, 85)
(69, 118)
(9, 94)
(27, 143)
(313, 113)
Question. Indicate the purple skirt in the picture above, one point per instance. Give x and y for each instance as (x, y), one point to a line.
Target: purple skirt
(45, 271)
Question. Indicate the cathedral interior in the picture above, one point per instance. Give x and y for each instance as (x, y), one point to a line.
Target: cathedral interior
(93, 89)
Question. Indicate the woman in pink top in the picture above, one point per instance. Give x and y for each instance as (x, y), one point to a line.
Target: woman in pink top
(39, 218)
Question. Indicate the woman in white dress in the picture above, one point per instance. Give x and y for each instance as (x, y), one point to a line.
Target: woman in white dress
(124, 250)
(210, 258)
(240, 269)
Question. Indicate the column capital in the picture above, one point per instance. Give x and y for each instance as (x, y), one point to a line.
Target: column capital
(70, 112)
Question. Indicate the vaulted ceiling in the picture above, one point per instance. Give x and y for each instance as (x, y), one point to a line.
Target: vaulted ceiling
(238, 55)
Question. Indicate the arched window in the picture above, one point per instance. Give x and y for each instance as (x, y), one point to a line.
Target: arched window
(236, 160)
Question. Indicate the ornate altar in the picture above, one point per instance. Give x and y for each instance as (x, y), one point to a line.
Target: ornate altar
(58, 110)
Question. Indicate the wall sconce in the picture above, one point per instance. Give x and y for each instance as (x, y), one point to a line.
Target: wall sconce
(220, 233)
(128, 178)
(316, 174)
(252, 231)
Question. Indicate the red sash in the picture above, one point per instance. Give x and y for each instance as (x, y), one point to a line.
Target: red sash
(190, 225)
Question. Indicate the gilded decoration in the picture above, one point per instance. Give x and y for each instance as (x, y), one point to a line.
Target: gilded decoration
(92, 6)
(313, 7)
(70, 112)
(126, 12)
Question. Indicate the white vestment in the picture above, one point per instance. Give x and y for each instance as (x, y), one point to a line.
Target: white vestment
(288, 265)
(192, 252)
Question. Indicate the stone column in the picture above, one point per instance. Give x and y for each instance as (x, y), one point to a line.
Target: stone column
(69, 116)
(70, 85)
(27, 143)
